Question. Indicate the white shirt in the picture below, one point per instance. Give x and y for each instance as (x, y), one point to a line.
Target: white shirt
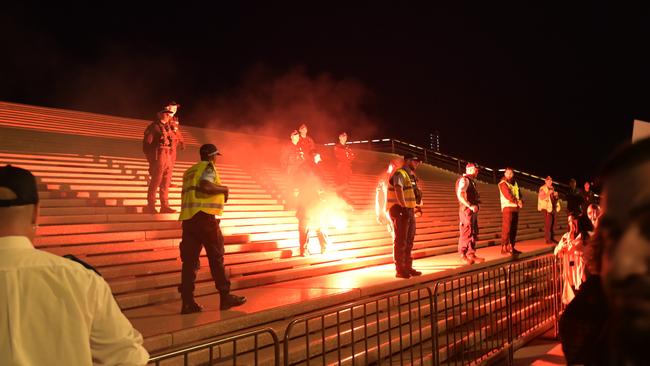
(53, 311)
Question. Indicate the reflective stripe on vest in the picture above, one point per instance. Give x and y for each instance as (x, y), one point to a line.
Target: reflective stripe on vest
(514, 188)
(193, 200)
(409, 195)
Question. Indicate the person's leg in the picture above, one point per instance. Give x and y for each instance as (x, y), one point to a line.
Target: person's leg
(506, 225)
(165, 182)
(410, 238)
(513, 231)
(190, 249)
(465, 232)
(399, 243)
(547, 227)
(155, 168)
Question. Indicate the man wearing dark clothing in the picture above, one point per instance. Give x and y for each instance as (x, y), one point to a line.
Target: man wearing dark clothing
(177, 136)
(510, 204)
(157, 147)
(588, 197)
(402, 201)
(574, 200)
(202, 205)
(468, 199)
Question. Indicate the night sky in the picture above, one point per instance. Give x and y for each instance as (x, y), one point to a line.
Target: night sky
(546, 89)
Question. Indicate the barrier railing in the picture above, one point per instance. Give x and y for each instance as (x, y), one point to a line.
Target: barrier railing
(226, 349)
(451, 163)
(369, 331)
(465, 319)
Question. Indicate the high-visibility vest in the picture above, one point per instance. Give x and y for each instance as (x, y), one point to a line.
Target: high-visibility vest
(547, 204)
(192, 200)
(514, 188)
(409, 195)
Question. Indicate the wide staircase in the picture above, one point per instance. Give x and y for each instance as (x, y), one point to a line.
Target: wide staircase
(93, 180)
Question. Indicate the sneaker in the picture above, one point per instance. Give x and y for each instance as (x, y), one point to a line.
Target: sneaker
(403, 275)
(413, 272)
(515, 251)
(149, 210)
(231, 300)
(465, 260)
(476, 259)
(167, 209)
(192, 307)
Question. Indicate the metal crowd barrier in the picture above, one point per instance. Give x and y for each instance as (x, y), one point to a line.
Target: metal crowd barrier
(465, 319)
(224, 350)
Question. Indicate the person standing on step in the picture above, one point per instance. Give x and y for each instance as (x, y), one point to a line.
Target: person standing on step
(548, 202)
(309, 211)
(177, 136)
(53, 311)
(510, 204)
(469, 200)
(203, 199)
(401, 201)
(292, 160)
(344, 157)
(157, 147)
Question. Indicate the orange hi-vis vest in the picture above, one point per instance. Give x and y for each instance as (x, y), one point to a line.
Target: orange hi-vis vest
(409, 194)
(192, 200)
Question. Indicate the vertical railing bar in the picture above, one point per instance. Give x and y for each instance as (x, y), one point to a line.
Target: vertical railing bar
(365, 330)
(378, 332)
(390, 331)
(411, 343)
(234, 352)
(307, 341)
(256, 348)
(399, 328)
(421, 320)
(338, 334)
(322, 332)
(352, 333)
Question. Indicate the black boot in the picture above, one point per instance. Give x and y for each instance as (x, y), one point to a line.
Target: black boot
(230, 300)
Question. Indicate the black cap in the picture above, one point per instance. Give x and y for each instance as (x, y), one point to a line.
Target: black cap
(171, 102)
(166, 111)
(22, 183)
(208, 150)
(410, 156)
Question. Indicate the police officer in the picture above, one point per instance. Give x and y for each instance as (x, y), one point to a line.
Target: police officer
(202, 204)
(510, 204)
(177, 136)
(469, 200)
(402, 203)
(157, 147)
(344, 156)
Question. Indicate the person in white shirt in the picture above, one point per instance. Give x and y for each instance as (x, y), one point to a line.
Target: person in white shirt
(53, 311)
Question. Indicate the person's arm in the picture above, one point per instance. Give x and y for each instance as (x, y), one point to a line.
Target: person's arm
(113, 340)
(399, 194)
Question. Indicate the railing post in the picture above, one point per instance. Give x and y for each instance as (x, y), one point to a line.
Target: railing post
(556, 298)
(392, 146)
(509, 293)
(425, 156)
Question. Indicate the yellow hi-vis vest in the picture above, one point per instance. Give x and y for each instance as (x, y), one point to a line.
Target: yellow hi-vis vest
(193, 201)
(409, 195)
(514, 188)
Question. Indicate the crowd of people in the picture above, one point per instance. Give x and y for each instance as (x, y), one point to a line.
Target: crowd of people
(605, 254)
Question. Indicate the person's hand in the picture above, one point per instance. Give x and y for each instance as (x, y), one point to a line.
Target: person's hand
(225, 195)
(520, 203)
(474, 208)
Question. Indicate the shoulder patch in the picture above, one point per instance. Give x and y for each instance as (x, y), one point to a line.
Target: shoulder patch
(86, 265)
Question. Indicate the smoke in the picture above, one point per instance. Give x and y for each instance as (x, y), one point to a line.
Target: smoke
(270, 105)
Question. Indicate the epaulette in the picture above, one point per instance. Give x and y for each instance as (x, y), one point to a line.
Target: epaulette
(86, 265)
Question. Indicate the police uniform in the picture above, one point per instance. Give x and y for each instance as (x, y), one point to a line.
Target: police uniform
(200, 214)
(157, 146)
(468, 225)
(403, 218)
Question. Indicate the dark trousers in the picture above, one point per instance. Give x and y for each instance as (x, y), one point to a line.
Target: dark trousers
(549, 226)
(509, 225)
(468, 227)
(202, 231)
(160, 169)
(404, 223)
